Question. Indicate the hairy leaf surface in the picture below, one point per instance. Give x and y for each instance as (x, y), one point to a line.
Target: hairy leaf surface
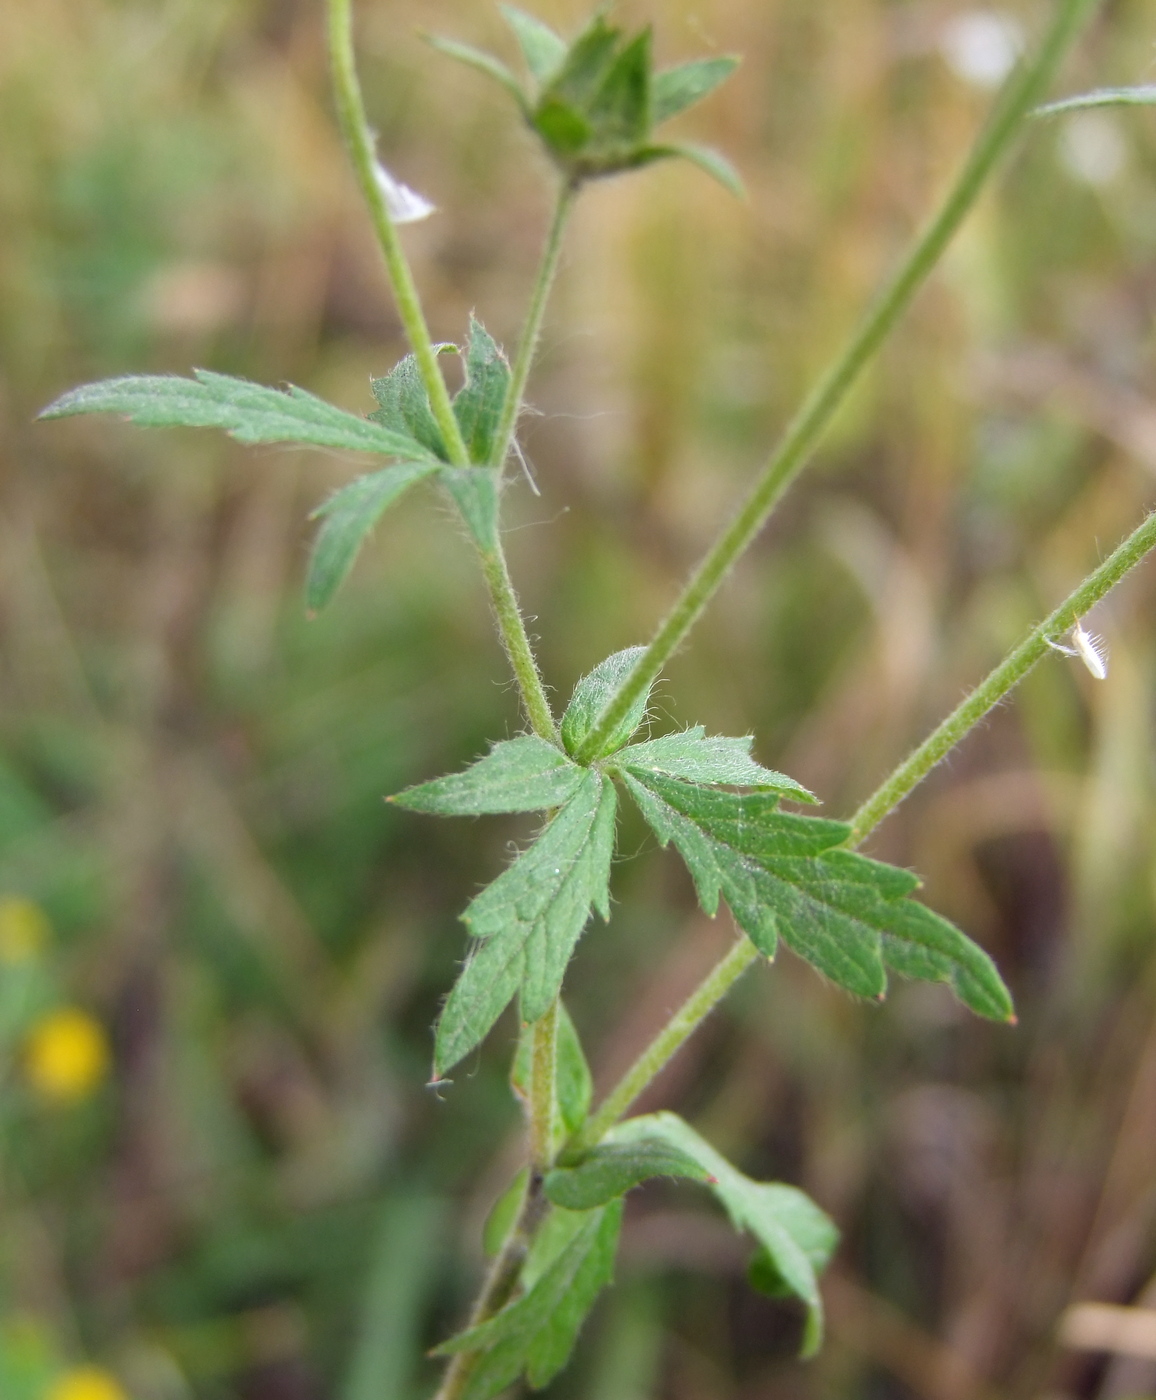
(783, 876)
(570, 1262)
(592, 694)
(248, 412)
(346, 518)
(701, 759)
(796, 1238)
(530, 919)
(403, 405)
(613, 1168)
(526, 774)
(478, 405)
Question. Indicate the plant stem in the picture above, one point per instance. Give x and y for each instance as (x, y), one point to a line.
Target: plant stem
(360, 141)
(1006, 675)
(686, 1019)
(889, 795)
(543, 1090)
(532, 330)
(512, 627)
(798, 441)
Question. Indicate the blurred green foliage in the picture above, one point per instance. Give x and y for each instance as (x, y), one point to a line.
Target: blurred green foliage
(192, 773)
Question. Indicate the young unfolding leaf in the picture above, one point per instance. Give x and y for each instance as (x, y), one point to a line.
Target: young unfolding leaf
(526, 774)
(248, 412)
(542, 49)
(573, 1083)
(783, 876)
(796, 1238)
(1142, 96)
(478, 405)
(591, 695)
(701, 759)
(570, 1262)
(676, 89)
(347, 518)
(529, 920)
(403, 405)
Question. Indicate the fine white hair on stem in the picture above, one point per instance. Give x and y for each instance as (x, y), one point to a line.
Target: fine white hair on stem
(405, 206)
(1088, 647)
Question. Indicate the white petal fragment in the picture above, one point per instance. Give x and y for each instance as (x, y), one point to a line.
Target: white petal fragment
(405, 206)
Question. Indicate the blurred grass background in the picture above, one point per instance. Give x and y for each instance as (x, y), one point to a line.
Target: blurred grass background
(256, 1197)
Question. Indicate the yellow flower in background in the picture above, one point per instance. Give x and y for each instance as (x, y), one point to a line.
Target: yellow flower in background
(86, 1383)
(24, 930)
(66, 1056)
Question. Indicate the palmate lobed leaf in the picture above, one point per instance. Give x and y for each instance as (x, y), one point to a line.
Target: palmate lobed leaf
(530, 919)
(570, 1262)
(249, 412)
(783, 876)
(796, 1238)
(526, 774)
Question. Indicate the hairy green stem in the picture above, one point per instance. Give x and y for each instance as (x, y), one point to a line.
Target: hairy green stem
(1006, 675)
(512, 627)
(686, 1019)
(532, 330)
(359, 139)
(543, 1090)
(884, 800)
(801, 436)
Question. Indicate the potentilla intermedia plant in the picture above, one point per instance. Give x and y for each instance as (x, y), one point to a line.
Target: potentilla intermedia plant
(596, 102)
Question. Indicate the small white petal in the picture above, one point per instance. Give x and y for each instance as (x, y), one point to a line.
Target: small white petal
(405, 206)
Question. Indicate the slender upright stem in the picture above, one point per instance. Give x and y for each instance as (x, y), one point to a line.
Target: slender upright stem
(359, 139)
(517, 643)
(1006, 675)
(798, 442)
(889, 795)
(678, 1029)
(532, 330)
(544, 1090)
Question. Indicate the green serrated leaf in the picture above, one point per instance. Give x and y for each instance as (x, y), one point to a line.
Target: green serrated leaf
(574, 1087)
(676, 89)
(699, 759)
(783, 876)
(620, 111)
(715, 165)
(477, 494)
(591, 695)
(542, 49)
(796, 1236)
(1142, 96)
(403, 406)
(347, 518)
(530, 919)
(526, 774)
(484, 63)
(571, 1261)
(478, 405)
(248, 412)
(613, 1168)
